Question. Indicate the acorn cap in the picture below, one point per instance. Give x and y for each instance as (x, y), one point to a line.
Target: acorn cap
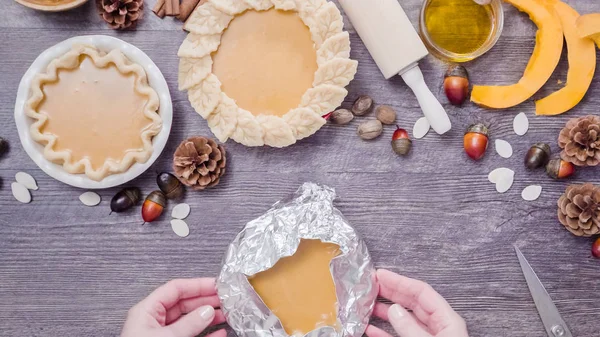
(402, 146)
(133, 193)
(544, 147)
(157, 197)
(477, 128)
(456, 70)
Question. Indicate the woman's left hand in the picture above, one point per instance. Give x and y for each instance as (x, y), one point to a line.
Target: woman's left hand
(179, 308)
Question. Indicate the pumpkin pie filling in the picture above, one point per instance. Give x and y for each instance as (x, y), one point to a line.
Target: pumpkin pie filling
(94, 112)
(266, 61)
(299, 289)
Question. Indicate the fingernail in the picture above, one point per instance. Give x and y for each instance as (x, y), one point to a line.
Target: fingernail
(395, 312)
(207, 312)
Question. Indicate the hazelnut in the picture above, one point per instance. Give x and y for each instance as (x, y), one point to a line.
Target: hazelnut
(362, 105)
(370, 129)
(341, 116)
(386, 114)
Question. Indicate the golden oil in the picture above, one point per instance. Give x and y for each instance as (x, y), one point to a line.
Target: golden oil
(458, 27)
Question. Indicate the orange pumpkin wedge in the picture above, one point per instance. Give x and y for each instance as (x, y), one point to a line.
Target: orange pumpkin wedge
(543, 61)
(582, 65)
(589, 26)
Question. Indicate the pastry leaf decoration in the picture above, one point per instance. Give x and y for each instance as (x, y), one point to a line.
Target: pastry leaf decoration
(304, 122)
(192, 71)
(324, 98)
(337, 46)
(338, 72)
(248, 131)
(206, 19)
(197, 46)
(206, 96)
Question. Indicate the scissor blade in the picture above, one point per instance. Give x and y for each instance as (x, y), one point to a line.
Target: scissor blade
(554, 324)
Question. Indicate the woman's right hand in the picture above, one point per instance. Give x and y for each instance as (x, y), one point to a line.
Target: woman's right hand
(430, 316)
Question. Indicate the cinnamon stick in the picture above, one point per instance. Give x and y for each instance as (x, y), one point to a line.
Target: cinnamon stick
(169, 7)
(159, 8)
(187, 7)
(176, 5)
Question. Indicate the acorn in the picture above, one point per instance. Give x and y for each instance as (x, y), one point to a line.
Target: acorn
(170, 185)
(476, 141)
(596, 249)
(537, 156)
(560, 169)
(125, 199)
(153, 206)
(3, 146)
(456, 84)
(401, 144)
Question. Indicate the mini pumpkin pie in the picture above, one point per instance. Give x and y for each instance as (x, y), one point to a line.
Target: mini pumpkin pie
(264, 72)
(94, 112)
(299, 289)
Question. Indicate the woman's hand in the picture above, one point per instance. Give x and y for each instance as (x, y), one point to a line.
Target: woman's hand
(180, 308)
(431, 315)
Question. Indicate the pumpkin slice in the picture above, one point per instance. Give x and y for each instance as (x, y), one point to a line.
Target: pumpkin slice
(589, 26)
(543, 61)
(582, 65)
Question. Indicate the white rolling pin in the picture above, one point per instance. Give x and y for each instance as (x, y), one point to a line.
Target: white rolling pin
(396, 48)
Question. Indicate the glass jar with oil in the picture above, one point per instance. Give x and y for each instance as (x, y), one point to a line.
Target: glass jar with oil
(460, 30)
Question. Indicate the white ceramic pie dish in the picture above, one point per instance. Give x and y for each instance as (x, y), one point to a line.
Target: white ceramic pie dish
(53, 8)
(106, 43)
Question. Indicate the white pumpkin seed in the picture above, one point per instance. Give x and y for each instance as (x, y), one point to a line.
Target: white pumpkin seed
(531, 192)
(421, 128)
(503, 148)
(495, 175)
(180, 228)
(521, 124)
(90, 198)
(20, 192)
(505, 181)
(26, 180)
(180, 211)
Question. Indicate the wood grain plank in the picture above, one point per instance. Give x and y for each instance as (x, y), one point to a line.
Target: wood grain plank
(68, 270)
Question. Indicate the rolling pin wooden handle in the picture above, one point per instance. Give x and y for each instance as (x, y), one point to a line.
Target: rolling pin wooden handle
(432, 109)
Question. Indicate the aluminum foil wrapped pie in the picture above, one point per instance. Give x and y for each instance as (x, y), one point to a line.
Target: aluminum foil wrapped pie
(309, 214)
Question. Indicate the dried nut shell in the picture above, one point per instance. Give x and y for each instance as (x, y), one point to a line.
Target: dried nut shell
(341, 116)
(370, 129)
(362, 105)
(402, 146)
(386, 114)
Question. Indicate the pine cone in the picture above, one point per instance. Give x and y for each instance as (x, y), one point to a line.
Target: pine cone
(199, 162)
(580, 141)
(121, 14)
(579, 209)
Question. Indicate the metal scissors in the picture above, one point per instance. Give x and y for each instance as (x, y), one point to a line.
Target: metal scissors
(554, 324)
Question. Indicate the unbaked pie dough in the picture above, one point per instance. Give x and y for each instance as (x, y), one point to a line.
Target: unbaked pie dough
(299, 289)
(95, 113)
(264, 72)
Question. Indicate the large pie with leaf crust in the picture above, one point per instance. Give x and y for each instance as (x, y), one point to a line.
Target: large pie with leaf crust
(264, 72)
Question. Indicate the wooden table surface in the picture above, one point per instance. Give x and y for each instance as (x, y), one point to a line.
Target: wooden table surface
(69, 270)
